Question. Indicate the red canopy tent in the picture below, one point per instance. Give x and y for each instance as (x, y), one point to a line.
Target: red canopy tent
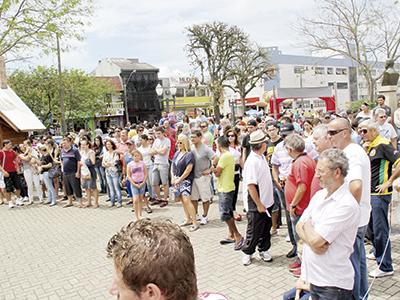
(323, 93)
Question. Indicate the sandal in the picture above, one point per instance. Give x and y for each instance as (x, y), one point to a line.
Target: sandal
(185, 223)
(148, 210)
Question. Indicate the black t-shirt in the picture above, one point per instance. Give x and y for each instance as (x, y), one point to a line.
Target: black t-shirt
(46, 159)
(382, 156)
(181, 162)
(246, 145)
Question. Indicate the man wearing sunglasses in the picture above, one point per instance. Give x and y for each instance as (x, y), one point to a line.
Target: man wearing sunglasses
(383, 157)
(386, 129)
(359, 180)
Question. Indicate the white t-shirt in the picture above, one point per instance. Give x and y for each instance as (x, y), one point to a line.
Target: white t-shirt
(363, 115)
(158, 158)
(256, 171)
(387, 131)
(335, 219)
(146, 155)
(360, 168)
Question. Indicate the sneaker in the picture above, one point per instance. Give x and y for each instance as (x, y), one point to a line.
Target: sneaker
(297, 273)
(10, 205)
(265, 256)
(371, 256)
(294, 265)
(19, 202)
(203, 220)
(377, 273)
(246, 260)
(25, 199)
(292, 253)
(198, 217)
(287, 239)
(147, 194)
(119, 205)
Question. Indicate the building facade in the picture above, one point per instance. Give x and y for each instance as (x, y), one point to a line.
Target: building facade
(138, 81)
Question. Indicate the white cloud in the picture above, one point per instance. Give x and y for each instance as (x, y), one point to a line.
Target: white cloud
(153, 31)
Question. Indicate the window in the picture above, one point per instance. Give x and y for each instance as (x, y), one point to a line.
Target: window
(179, 92)
(342, 85)
(341, 71)
(329, 71)
(319, 70)
(298, 69)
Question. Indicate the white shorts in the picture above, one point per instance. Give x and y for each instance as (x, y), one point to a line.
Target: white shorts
(2, 184)
(201, 188)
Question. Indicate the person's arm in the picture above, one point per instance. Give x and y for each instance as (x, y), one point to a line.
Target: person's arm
(145, 175)
(123, 168)
(252, 189)
(275, 176)
(396, 173)
(185, 174)
(298, 195)
(306, 232)
(393, 141)
(78, 165)
(355, 187)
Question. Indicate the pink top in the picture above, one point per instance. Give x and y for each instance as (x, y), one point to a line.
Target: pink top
(136, 170)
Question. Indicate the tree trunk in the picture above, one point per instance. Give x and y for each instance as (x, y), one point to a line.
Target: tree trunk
(243, 99)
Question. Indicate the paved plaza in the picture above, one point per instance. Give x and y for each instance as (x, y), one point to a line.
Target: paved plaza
(56, 253)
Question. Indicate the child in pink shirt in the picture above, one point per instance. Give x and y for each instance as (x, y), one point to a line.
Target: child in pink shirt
(137, 175)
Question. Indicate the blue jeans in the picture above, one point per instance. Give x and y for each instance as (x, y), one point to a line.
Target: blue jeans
(281, 196)
(48, 182)
(329, 293)
(101, 174)
(290, 295)
(149, 181)
(128, 188)
(114, 187)
(359, 262)
(379, 227)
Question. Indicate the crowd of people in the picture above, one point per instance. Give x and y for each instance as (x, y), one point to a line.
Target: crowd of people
(328, 177)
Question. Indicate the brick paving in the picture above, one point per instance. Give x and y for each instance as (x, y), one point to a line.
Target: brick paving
(56, 253)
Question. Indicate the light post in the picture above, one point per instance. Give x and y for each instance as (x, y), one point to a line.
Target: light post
(126, 96)
(171, 91)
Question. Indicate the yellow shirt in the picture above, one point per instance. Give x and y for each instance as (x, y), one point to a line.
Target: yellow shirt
(225, 181)
(132, 133)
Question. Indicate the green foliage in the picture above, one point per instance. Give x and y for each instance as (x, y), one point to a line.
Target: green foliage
(355, 105)
(39, 89)
(35, 23)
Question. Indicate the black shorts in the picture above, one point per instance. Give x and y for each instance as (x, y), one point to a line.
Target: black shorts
(12, 182)
(72, 185)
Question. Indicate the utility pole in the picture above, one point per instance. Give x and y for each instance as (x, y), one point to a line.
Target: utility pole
(61, 88)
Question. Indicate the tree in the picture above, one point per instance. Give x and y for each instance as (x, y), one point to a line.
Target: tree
(247, 68)
(211, 48)
(85, 95)
(365, 31)
(26, 24)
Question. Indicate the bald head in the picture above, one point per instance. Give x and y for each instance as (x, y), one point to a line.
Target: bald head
(339, 131)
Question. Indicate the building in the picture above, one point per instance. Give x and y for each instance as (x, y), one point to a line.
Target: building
(16, 119)
(342, 74)
(138, 81)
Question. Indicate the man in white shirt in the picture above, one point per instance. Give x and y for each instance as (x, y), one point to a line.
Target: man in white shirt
(258, 199)
(160, 151)
(328, 228)
(386, 129)
(359, 181)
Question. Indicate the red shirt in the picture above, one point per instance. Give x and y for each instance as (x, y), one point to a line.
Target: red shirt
(9, 160)
(315, 186)
(303, 170)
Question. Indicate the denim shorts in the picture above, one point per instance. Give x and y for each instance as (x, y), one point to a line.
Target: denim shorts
(138, 191)
(225, 204)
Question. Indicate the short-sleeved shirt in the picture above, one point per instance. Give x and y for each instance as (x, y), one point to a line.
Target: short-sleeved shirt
(382, 156)
(303, 170)
(225, 181)
(270, 150)
(136, 171)
(158, 158)
(335, 218)
(180, 163)
(202, 156)
(70, 160)
(8, 157)
(360, 169)
(45, 160)
(387, 131)
(208, 139)
(257, 172)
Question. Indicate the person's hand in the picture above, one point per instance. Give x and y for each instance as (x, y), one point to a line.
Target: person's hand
(78, 175)
(261, 208)
(292, 211)
(382, 187)
(206, 172)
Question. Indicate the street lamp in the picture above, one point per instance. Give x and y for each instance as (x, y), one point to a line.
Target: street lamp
(169, 92)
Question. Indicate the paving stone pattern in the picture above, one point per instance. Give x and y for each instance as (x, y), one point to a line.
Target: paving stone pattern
(56, 253)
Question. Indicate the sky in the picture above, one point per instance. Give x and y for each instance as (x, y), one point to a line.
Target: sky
(154, 31)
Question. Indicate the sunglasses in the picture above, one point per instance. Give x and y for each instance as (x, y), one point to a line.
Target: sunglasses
(382, 117)
(231, 135)
(335, 132)
(203, 126)
(362, 131)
